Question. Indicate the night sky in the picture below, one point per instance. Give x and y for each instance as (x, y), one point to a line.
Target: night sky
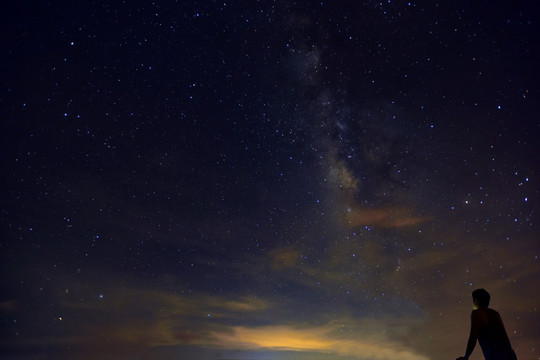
(267, 180)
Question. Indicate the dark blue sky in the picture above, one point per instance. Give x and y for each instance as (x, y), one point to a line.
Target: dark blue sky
(267, 179)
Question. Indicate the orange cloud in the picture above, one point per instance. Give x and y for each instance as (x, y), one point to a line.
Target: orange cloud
(382, 217)
(314, 339)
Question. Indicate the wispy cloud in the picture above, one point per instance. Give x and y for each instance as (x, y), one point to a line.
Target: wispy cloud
(386, 217)
(284, 258)
(149, 319)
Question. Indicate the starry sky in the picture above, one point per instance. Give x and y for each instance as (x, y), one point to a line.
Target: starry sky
(267, 180)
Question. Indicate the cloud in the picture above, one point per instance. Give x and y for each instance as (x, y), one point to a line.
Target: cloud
(8, 305)
(126, 299)
(314, 339)
(283, 258)
(151, 319)
(386, 217)
(345, 186)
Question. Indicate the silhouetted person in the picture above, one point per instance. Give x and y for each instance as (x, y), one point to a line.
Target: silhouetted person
(488, 328)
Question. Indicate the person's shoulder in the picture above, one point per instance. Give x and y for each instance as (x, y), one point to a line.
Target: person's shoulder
(481, 311)
(493, 313)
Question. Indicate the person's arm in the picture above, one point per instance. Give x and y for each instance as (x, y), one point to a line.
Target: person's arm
(472, 336)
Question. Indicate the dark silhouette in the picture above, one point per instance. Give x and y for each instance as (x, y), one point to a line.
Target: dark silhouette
(488, 328)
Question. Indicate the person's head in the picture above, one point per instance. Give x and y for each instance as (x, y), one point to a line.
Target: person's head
(481, 297)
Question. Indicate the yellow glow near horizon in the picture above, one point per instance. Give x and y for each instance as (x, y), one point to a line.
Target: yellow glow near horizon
(314, 339)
